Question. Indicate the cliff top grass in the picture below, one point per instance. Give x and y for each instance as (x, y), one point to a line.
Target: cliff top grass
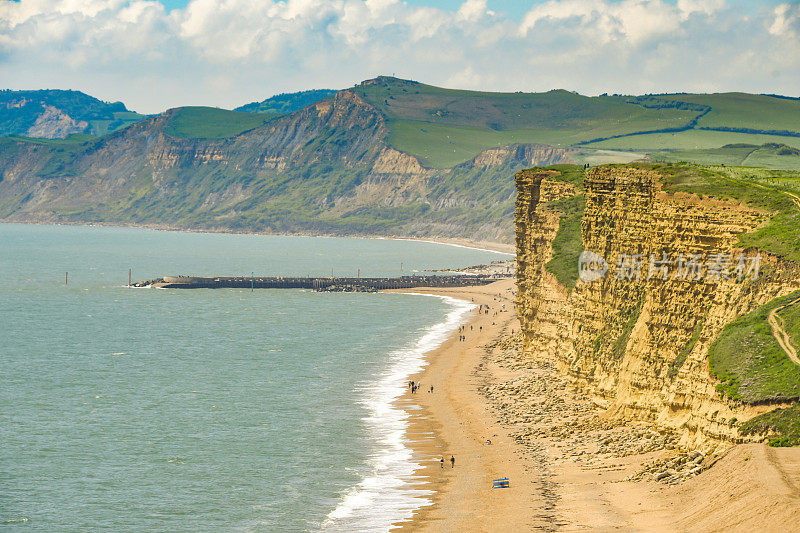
(748, 361)
(772, 191)
(212, 122)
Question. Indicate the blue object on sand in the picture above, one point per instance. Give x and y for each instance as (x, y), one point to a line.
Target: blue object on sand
(502, 483)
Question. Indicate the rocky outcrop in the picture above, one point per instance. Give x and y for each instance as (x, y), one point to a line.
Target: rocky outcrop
(53, 123)
(637, 338)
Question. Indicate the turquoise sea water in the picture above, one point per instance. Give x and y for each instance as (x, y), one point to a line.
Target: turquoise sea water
(208, 410)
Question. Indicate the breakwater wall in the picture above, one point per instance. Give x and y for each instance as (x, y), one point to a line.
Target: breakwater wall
(318, 284)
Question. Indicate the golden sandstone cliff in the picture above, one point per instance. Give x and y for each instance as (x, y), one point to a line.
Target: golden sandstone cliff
(637, 338)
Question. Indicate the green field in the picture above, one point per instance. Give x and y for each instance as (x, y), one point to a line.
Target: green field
(443, 146)
(447, 126)
(212, 122)
(750, 111)
(120, 119)
(776, 156)
(691, 140)
(748, 361)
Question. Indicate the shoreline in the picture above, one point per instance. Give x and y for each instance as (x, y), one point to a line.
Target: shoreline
(386, 486)
(454, 421)
(486, 246)
(571, 468)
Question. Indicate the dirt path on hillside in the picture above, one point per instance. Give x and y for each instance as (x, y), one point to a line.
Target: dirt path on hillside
(785, 342)
(795, 199)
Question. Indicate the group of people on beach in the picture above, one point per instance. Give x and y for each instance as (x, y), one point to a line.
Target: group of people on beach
(452, 462)
(416, 385)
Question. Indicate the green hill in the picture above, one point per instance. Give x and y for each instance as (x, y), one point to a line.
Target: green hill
(285, 103)
(212, 122)
(444, 127)
(57, 113)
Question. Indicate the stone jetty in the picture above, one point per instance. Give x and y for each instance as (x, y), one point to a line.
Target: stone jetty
(331, 284)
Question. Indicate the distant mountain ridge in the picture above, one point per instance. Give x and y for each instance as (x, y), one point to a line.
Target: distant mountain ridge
(55, 113)
(326, 169)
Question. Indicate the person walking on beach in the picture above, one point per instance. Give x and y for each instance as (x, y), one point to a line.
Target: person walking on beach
(452, 462)
(441, 462)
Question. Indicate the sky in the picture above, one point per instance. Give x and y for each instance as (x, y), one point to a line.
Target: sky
(157, 54)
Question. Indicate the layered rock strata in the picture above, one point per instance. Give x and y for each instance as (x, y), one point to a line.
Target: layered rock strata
(637, 338)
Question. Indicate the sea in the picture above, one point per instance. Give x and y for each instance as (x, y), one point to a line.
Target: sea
(141, 409)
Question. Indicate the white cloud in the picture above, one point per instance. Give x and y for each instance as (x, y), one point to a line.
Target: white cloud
(786, 21)
(228, 52)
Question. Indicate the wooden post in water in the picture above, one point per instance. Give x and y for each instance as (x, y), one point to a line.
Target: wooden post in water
(130, 273)
(66, 278)
(252, 281)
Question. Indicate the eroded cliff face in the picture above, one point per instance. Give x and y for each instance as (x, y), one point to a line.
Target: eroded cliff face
(638, 341)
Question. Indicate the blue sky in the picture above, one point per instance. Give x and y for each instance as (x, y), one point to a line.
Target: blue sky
(225, 53)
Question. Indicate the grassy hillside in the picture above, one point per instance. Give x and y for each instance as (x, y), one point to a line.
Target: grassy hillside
(782, 424)
(212, 122)
(285, 103)
(748, 361)
(444, 127)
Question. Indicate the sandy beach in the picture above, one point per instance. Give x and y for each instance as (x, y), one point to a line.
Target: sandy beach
(570, 469)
